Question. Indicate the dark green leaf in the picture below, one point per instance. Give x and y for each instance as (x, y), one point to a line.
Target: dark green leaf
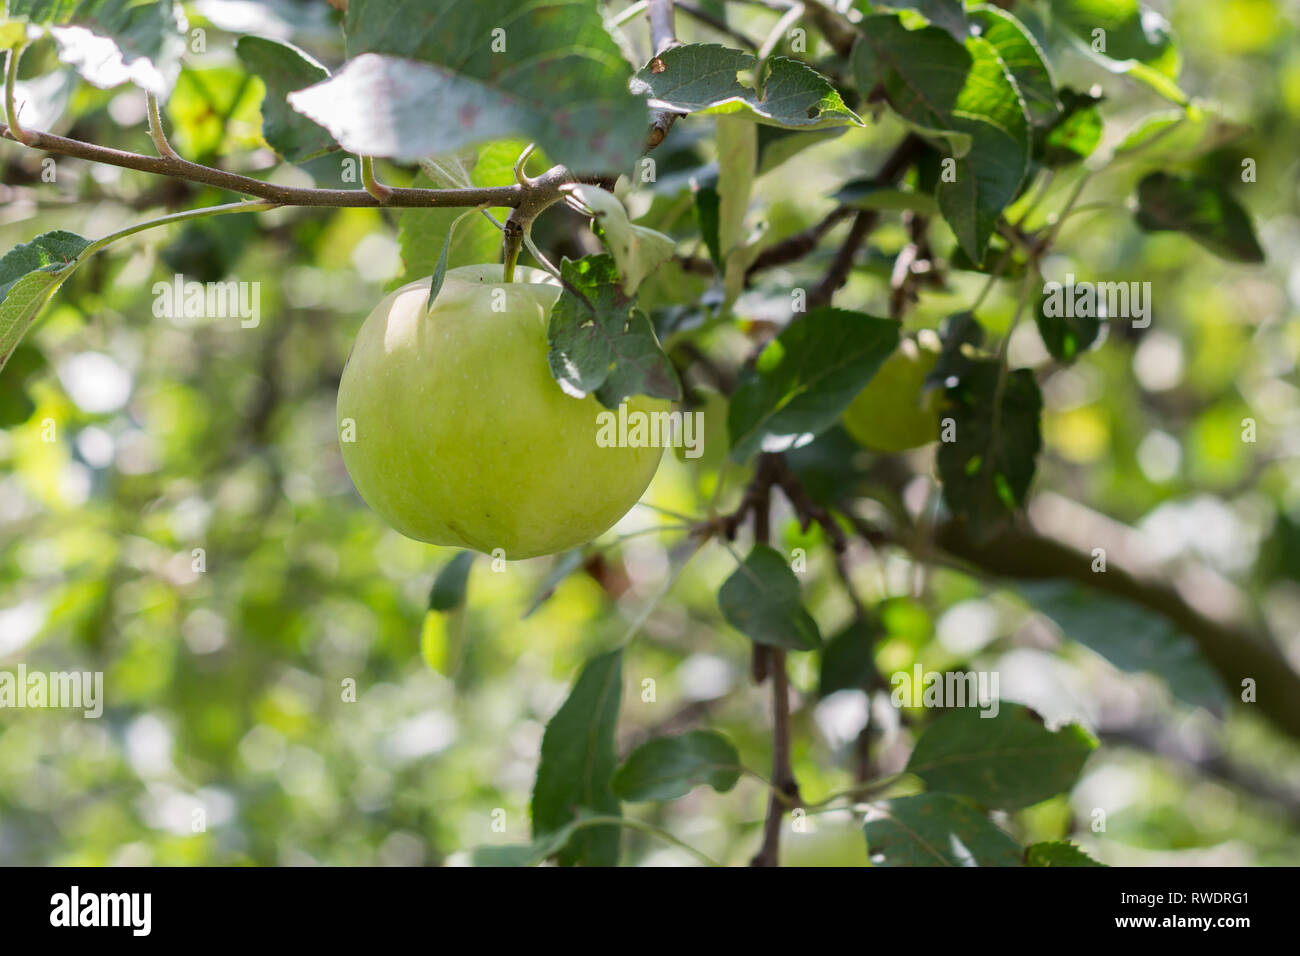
(578, 762)
(701, 78)
(805, 378)
(1062, 853)
(935, 829)
(1202, 210)
(284, 68)
(960, 91)
(1065, 333)
(947, 14)
(1007, 761)
(426, 80)
(1131, 637)
(668, 767)
(987, 468)
(707, 204)
(961, 334)
(761, 599)
(848, 659)
(449, 586)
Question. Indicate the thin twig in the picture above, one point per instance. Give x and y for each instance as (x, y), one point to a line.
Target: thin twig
(663, 37)
(509, 196)
(156, 132)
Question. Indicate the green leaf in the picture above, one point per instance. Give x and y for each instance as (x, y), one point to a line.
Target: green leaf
(1124, 36)
(29, 275)
(805, 378)
(1024, 60)
(987, 469)
(1007, 761)
(668, 767)
(1061, 853)
(1202, 210)
(701, 78)
(637, 251)
(16, 404)
(991, 112)
(707, 208)
(1131, 637)
(598, 344)
(1067, 336)
(935, 829)
(425, 80)
(961, 91)
(569, 562)
(111, 42)
(1075, 133)
(448, 590)
(284, 68)
(578, 762)
(737, 168)
(422, 232)
(922, 72)
(761, 599)
(947, 14)
(848, 659)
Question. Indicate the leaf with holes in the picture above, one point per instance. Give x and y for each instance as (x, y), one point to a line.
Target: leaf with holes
(598, 344)
(701, 78)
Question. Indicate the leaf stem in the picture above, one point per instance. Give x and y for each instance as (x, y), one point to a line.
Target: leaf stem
(649, 828)
(11, 110)
(382, 193)
(156, 128)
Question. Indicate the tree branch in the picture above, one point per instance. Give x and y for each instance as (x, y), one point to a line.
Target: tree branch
(663, 36)
(510, 196)
(1059, 543)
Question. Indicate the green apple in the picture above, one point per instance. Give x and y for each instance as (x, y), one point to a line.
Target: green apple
(453, 429)
(893, 413)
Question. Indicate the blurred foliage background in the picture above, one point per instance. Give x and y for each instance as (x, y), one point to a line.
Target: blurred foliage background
(225, 687)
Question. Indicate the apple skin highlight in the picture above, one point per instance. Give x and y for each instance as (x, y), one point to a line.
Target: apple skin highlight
(462, 437)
